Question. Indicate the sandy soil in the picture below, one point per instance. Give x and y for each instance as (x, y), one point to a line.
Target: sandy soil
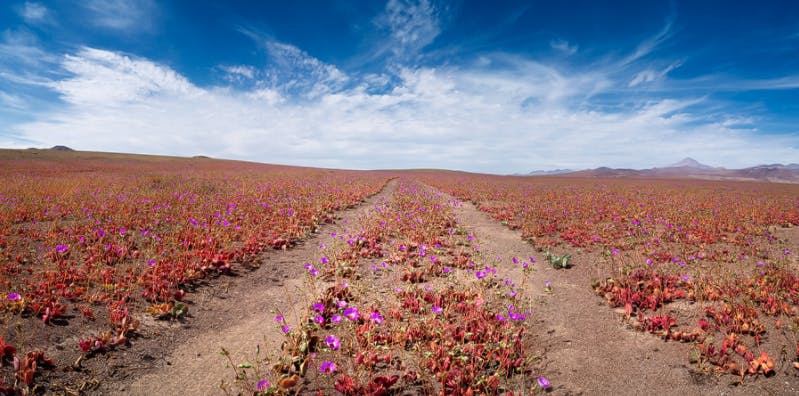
(584, 346)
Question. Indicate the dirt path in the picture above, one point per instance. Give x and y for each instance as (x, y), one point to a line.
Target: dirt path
(585, 347)
(238, 315)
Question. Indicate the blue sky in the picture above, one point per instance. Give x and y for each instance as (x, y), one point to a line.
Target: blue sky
(497, 87)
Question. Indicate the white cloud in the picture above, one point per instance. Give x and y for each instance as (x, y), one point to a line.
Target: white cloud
(651, 44)
(649, 75)
(296, 71)
(34, 13)
(564, 47)
(103, 78)
(238, 73)
(127, 16)
(519, 117)
(411, 25)
(14, 102)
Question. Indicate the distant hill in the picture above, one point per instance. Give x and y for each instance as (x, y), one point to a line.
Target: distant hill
(689, 168)
(689, 162)
(549, 172)
(61, 148)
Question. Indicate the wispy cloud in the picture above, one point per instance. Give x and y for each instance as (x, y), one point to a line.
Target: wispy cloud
(295, 71)
(412, 25)
(14, 102)
(564, 47)
(517, 115)
(34, 13)
(650, 75)
(651, 44)
(125, 16)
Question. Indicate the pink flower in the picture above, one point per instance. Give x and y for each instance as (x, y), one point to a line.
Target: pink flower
(327, 367)
(375, 317)
(544, 383)
(437, 310)
(352, 313)
(333, 342)
(263, 385)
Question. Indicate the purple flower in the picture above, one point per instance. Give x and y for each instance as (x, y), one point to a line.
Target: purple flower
(375, 317)
(548, 284)
(333, 342)
(313, 271)
(14, 296)
(447, 270)
(122, 231)
(319, 307)
(151, 262)
(500, 318)
(279, 318)
(341, 304)
(532, 259)
(515, 316)
(327, 367)
(544, 383)
(319, 319)
(352, 313)
(515, 260)
(480, 274)
(437, 310)
(285, 329)
(335, 318)
(263, 385)
(787, 252)
(325, 260)
(471, 238)
(61, 248)
(614, 252)
(307, 266)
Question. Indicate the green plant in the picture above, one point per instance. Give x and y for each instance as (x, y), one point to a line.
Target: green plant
(558, 262)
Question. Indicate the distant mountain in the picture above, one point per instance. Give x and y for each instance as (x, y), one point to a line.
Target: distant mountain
(689, 162)
(690, 168)
(61, 148)
(549, 172)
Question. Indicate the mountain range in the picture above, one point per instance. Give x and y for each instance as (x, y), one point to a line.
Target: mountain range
(689, 168)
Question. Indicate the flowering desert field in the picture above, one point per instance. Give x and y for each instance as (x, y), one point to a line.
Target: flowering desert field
(163, 275)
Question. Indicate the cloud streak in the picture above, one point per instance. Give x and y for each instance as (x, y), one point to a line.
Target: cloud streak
(123, 16)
